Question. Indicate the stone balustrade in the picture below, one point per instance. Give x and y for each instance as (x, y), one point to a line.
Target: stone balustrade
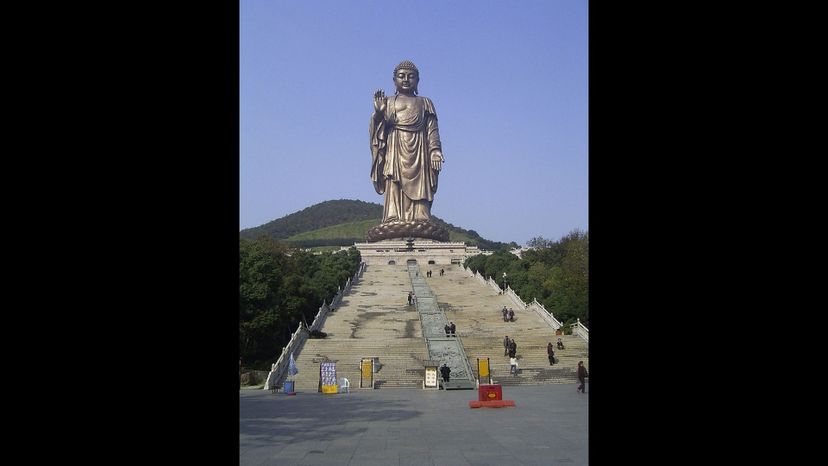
(534, 305)
(579, 329)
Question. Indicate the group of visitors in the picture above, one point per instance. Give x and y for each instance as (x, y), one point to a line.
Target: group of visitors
(450, 329)
(550, 352)
(508, 314)
(509, 347)
(442, 272)
(411, 298)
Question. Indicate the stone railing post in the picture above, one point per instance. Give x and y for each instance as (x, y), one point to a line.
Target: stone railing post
(543, 314)
(515, 298)
(280, 366)
(579, 329)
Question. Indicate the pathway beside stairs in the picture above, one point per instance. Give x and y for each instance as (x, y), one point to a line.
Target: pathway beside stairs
(375, 320)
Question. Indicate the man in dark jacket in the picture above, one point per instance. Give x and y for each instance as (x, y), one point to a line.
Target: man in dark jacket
(582, 375)
(445, 371)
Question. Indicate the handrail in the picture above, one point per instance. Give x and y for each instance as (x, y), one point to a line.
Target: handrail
(544, 314)
(278, 368)
(515, 298)
(494, 285)
(579, 329)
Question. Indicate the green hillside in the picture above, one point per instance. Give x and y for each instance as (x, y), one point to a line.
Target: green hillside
(317, 216)
(343, 223)
(353, 231)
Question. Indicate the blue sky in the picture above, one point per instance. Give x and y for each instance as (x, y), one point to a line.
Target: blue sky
(508, 80)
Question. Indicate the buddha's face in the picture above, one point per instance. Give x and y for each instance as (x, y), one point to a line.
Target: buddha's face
(406, 81)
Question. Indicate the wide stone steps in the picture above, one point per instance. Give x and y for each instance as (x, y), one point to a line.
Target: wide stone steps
(476, 310)
(374, 320)
(400, 359)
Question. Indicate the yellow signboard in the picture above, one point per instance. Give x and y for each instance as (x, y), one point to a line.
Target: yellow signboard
(366, 379)
(483, 367)
(483, 371)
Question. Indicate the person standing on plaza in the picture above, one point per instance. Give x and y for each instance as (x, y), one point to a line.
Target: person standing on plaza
(582, 375)
(445, 371)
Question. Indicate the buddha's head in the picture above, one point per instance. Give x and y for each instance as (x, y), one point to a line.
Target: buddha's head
(406, 78)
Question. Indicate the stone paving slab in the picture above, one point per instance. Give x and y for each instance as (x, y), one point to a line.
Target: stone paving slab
(547, 426)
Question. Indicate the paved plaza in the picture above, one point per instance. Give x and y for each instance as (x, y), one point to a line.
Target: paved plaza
(548, 426)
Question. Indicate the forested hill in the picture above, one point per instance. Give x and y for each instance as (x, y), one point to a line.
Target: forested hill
(343, 222)
(317, 216)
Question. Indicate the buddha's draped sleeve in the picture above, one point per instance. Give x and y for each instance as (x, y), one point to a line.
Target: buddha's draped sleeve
(377, 132)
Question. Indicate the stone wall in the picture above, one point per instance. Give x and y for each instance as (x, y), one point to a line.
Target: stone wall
(424, 252)
(253, 378)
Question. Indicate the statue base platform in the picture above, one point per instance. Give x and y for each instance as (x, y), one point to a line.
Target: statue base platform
(422, 252)
(407, 229)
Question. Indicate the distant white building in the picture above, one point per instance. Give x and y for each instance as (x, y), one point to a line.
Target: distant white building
(519, 251)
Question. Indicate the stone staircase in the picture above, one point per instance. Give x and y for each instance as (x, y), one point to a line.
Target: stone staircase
(374, 320)
(475, 308)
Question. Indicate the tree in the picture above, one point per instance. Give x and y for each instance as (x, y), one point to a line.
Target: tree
(539, 242)
(556, 273)
(278, 289)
